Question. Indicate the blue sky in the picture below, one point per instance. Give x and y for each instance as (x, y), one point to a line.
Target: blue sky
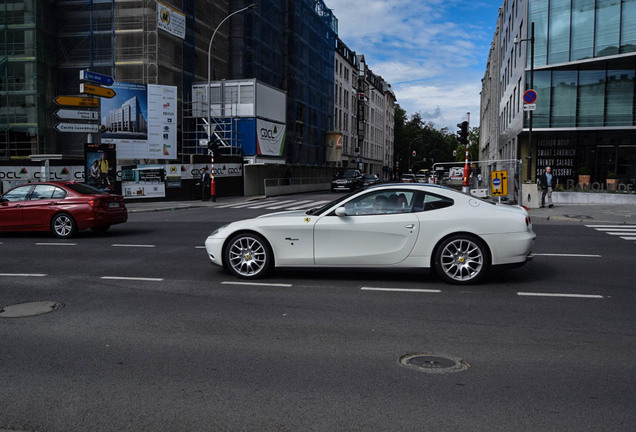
(432, 52)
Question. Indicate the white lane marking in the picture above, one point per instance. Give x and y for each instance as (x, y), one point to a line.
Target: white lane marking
(56, 244)
(304, 202)
(589, 296)
(401, 290)
(132, 278)
(199, 247)
(628, 238)
(257, 284)
(568, 255)
(269, 203)
(310, 205)
(23, 274)
(617, 228)
(132, 245)
(611, 226)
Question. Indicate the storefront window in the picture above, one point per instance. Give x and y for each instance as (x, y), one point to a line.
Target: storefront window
(620, 98)
(564, 99)
(591, 101)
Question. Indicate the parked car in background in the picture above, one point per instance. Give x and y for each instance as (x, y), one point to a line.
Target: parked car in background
(370, 179)
(421, 178)
(347, 180)
(390, 225)
(60, 207)
(408, 178)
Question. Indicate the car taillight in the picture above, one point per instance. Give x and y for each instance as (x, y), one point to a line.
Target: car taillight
(96, 203)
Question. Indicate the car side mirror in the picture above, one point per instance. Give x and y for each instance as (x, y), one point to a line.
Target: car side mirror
(341, 211)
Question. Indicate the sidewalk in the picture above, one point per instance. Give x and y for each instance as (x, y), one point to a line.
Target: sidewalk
(582, 213)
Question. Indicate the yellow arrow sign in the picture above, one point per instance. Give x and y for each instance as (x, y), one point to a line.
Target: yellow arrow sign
(97, 90)
(77, 101)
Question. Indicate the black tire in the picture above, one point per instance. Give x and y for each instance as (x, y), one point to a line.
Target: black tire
(100, 229)
(63, 225)
(462, 259)
(248, 256)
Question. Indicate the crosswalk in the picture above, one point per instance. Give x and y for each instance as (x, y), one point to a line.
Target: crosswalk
(626, 232)
(274, 204)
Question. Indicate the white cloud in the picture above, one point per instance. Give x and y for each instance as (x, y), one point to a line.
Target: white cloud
(432, 52)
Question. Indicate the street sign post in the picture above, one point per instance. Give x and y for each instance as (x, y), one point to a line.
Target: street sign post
(79, 101)
(96, 78)
(529, 96)
(77, 127)
(97, 90)
(69, 114)
(499, 186)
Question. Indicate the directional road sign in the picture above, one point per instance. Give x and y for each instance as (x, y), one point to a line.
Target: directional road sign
(77, 114)
(499, 186)
(97, 90)
(77, 101)
(96, 78)
(77, 127)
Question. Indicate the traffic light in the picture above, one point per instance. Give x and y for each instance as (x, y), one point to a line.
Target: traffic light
(462, 133)
(414, 153)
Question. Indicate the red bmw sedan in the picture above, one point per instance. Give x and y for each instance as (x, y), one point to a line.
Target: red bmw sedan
(60, 207)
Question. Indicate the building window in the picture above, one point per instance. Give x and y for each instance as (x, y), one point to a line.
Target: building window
(582, 34)
(607, 27)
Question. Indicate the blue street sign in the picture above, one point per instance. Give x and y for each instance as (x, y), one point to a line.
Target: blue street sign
(96, 78)
(530, 96)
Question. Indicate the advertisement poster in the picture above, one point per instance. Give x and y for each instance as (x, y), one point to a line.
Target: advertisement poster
(270, 138)
(143, 181)
(100, 170)
(141, 121)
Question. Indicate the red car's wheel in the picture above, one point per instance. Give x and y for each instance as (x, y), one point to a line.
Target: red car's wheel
(63, 225)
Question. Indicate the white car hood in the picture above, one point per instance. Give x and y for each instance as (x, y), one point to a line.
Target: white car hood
(290, 213)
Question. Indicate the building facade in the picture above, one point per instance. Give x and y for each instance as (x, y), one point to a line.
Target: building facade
(583, 72)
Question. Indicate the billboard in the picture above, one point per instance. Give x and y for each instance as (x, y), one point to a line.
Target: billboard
(141, 120)
(101, 166)
(270, 138)
(171, 20)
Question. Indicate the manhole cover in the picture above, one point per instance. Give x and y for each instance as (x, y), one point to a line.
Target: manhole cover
(432, 363)
(29, 309)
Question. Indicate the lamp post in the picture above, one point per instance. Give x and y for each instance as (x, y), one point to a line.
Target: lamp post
(531, 40)
(212, 183)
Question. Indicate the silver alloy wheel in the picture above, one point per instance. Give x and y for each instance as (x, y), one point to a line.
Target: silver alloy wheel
(248, 256)
(63, 225)
(462, 260)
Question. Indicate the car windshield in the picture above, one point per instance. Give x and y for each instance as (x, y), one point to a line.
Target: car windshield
(84, 189)
(346, 174)
(319, 210)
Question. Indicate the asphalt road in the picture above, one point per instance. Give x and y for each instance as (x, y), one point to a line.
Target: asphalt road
(151, 337)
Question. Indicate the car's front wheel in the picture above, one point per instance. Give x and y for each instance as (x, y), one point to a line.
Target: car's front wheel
(248, 255)
(462, 259)
(63, 225)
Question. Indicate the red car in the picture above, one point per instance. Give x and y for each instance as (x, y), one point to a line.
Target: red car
(61, 207)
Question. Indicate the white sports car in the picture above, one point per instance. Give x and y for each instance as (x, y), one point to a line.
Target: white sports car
(384, 226)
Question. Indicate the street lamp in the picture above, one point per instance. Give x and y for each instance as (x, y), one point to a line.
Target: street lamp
(212, 183)
(531, 40)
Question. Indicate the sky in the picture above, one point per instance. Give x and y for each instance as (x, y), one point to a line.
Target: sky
(432, 52)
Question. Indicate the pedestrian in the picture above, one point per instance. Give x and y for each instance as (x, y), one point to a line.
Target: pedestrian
(548, 182)
(205, 185)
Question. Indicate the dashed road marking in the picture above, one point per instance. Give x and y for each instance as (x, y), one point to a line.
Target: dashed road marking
(417, 290)
(586, 296)
(143, 279)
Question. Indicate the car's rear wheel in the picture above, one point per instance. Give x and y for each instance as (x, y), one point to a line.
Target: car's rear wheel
(462, 259)
(248, 255)
(63, 225)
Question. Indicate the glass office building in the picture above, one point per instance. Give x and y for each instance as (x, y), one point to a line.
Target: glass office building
(583, 72)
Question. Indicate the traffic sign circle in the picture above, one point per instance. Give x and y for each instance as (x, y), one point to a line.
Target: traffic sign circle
(496, 182)
(529, 96)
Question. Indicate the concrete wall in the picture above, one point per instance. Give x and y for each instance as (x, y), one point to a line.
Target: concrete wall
(286, 179)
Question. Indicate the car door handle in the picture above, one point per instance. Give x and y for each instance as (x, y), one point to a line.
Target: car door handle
(410, 226)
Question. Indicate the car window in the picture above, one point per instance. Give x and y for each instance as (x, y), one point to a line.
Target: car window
(84, 189)
(17, 194)
(381, 202)
(41, 192)
(428, 202)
